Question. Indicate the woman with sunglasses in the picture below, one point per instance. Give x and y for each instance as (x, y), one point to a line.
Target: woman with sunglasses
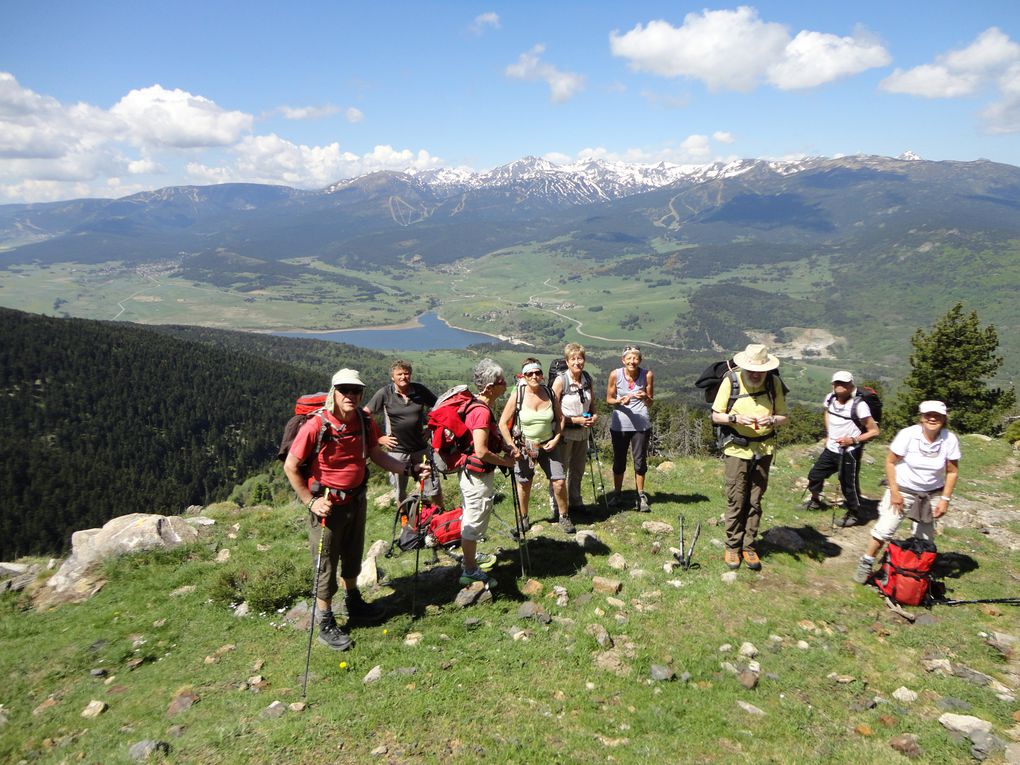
(921, 469)
(630, 391)
(532, 421)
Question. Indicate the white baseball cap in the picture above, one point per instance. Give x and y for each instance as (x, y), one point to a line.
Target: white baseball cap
(843, 376)
(932, 406)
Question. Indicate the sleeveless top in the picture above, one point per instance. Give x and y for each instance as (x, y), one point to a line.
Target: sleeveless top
(537, 424)
(634, 415)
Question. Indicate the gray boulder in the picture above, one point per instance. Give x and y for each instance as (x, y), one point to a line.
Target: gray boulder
(126, 534)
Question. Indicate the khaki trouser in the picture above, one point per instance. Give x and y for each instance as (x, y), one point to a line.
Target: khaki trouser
(746, 482)
(343, 543)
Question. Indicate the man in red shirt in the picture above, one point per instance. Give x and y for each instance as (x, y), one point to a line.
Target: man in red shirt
(331, 484)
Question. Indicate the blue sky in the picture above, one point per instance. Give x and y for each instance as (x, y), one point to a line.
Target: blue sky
(106, 99)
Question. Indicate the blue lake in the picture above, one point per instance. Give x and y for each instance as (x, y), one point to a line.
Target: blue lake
(433, 334)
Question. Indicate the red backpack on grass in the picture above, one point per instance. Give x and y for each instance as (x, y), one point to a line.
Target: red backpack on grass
(906, 575)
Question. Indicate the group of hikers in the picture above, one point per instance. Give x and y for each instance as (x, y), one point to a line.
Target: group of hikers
(549, 423)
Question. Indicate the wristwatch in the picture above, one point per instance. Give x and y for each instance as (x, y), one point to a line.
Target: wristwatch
(733, 418)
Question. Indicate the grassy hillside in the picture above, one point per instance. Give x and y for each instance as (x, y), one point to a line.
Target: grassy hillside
(830, 654)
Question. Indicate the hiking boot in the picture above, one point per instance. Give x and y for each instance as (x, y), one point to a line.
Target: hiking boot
(567, 525)
(331, 635)
(643, 505)
(359, 608)
(863, 572)
(814, 504)
(732, 559)
(849, 520)
(751, 559)
(468, 578)
(484, 561)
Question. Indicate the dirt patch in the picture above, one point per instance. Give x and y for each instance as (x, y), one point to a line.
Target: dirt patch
(801, 342)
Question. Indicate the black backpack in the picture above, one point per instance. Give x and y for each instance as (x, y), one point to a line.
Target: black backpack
(712, 378)
(870, 397)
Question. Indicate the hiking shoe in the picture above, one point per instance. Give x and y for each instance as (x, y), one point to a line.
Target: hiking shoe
(751, 559)
(814, 504)
(643, 505)
(331, 635)
(468, 578)
(567, 525)
(849, 520)
(732, 559)
(359, 608)
(484, 561)
(863, 572)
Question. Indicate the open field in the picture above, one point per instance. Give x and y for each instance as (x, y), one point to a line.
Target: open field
(466, 690)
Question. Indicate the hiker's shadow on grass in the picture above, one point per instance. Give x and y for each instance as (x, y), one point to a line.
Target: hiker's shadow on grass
(817, 546)
(679, 499)
(953, 565)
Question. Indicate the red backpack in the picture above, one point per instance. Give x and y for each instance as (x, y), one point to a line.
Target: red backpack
(906, 575)
(313, 405)
(450, 440)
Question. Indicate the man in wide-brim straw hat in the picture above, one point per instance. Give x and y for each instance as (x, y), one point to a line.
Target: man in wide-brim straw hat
(749, 418)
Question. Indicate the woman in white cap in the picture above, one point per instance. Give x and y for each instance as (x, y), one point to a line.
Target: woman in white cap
(921, 469)
(532, 413)
(750, 405)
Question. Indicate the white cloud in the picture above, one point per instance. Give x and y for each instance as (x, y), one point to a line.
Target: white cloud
(562, 85)
(307, 112)
(176, 118)
(931, 81)
(694, 149)
(1003, 115)
(484, 21)
(991, 51)
(737, 50)
(723, 137)
(272, 159)
(354, 115)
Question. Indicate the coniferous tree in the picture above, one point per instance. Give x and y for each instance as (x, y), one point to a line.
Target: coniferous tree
(952, 363)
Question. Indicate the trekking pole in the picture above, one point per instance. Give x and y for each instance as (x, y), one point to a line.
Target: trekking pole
(594, 449)
(417, 547)
(839, 474)
(315, 598)
(522, 539)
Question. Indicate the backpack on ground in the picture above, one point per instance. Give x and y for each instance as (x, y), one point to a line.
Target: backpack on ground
(450, 440)
(710, 381)
(313, 405)
(870, 397)
(906, 575)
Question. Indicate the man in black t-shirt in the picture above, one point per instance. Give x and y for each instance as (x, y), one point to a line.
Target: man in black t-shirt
(403, 405)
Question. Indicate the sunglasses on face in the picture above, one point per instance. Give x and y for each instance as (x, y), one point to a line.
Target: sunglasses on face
(350, 390)
(534, 374)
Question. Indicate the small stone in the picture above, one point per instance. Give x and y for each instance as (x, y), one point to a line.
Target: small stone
(133, 664)
(242, 610)
(751, 709)
(520, 634)
(808, 625)
(373, 675)
(259, 664)
(263, 548)
(531, 588)
(94, 709)
(725, 648)
(951, 704)
(906, 744)
(600, 634)
(587, 540)
(937, 665)
(297, 706)
(472, 622)
(686, 677)
(380, 750)
(143, 750)
(965, 724)
(863, 730)
(803, 645)
(274, 710)
(657, 527)
(50, 702)
(985, 744)
(99, 672)
(180, 702)
(904, 695)
(617, 561)
(159, 623)
(729, 577)
(606, 586)
(661, 673)
(616, 603)
(655, 547)
(748, 650)
(471, 595)
(748, 679)
(413, 638)
(175, 730)
(223, 555)
(971, 675)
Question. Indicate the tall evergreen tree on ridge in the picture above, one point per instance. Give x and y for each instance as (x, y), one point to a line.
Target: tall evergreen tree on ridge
(951, 364)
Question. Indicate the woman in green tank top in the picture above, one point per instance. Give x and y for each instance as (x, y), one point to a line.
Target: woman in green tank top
(532, 421)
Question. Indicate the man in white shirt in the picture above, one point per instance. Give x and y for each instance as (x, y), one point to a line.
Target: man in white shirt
(848, 425)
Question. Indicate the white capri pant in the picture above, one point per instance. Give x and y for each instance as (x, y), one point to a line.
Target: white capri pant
(889, 521)
(478, 491)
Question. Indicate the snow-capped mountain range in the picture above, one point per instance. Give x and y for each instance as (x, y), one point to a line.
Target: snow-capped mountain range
(594, 180)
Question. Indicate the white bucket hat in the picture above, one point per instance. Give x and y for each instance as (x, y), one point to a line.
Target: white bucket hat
(756, 358)
(342, 377)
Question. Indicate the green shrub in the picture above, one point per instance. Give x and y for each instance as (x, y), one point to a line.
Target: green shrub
(271, 583)
(1012, 434)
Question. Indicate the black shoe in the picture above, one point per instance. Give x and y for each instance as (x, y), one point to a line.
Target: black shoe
(331, 635)
(567, 525)
(814, 504)
(358, 608)
(849, 520)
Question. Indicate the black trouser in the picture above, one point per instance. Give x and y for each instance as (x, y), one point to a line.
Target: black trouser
(848, 465)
